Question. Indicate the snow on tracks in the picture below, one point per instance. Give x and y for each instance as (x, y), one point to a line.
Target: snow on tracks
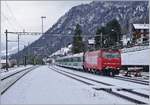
(9, 78)
(45, 86)
(119, 92)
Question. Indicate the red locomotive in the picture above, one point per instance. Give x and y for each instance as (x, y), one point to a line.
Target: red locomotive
(105, 62)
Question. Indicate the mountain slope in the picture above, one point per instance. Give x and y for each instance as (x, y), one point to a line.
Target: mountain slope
(90, 17)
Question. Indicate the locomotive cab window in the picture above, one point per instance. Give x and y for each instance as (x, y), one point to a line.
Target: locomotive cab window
(111, 55)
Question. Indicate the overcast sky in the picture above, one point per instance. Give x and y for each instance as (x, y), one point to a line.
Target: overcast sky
(19, 15)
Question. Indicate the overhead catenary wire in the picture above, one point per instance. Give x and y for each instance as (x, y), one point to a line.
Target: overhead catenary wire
(12, 14)
(54, 34)
(9, 23)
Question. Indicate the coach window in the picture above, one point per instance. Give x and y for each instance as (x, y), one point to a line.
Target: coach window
(79, 59)
(71, 60)
(66, 59)
(74, 59)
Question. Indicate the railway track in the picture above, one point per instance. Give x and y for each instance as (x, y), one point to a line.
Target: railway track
(132, 80)
(108, 90)
(107, 84)
(10, 80)
(12, 74)
(134, 92)
(142, 82)
(122, 89)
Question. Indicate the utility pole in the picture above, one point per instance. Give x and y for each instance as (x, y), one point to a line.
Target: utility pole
(42, 17)
(17, 33)
(0, 42)
(28, 53)
(6, 50)
(25, 58)
(101, 39)
(0, 45)
(18, 50)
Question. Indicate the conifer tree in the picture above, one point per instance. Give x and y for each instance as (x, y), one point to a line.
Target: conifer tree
(77, 45)
(114, 31)
(100, 38)
(109, 35)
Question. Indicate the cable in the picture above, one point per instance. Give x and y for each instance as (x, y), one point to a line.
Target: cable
(10, 24)
(12, 14)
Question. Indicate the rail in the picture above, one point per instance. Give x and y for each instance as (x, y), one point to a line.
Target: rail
(10, 80)
(108, 90)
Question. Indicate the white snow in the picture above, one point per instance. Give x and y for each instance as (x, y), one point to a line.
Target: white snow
(140, 8)
(45, 86)
(91, 16)
(143, 91)
(9, 81)
(62, 51)
(14, 70)
(139, 98)
(117, 83)
(134, 49)
(3, 61)
(91, 41)
(141, 26)
(74, 55)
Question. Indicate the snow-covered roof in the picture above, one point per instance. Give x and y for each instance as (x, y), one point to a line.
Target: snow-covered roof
(141, 26)
(3, 61)
(91, 41)
(74, 55)
(62, 51)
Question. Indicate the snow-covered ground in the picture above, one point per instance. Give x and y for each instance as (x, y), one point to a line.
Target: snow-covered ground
(10, 77)
(117, 83)
(45, 86)
(13, 70)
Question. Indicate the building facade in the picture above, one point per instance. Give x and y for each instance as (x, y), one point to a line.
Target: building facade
(140, 33)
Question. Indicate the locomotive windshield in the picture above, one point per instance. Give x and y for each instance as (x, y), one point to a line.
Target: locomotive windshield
(111, 55)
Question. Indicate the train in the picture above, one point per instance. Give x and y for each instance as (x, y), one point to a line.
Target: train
(104, 61)
(136, 57)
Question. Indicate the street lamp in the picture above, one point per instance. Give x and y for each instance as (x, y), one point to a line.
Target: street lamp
(42, 17)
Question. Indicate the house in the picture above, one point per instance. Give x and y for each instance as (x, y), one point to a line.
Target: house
(140, 33)
(3, 63)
